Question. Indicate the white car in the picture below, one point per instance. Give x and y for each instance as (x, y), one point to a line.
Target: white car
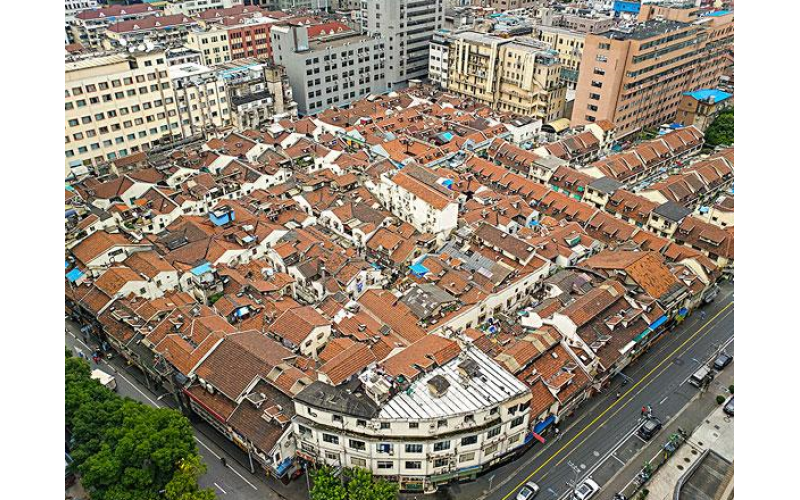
(586, 490)
(528, 491)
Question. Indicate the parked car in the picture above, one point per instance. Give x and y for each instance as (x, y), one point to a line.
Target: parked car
(649, 428)
(728, 408)
(528, 491)
(701, 377)
(586, 490)
(723, 360)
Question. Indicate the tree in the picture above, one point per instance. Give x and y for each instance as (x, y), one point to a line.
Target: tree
(126, 450)
(327, 486)
(183, 485)
(362, 486)
(721, 129)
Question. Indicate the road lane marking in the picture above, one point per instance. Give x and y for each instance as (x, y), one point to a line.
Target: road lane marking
(662, 401)
(220, 489)
(614, 455)
(226, 465)
(616, 402)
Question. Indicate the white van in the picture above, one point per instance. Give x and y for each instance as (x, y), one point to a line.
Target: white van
(702, 376)
(108, 381)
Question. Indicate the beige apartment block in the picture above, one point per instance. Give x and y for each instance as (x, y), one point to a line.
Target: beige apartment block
(212, 44)
(635, 78)
(116, 104)
(518, 76)
(569, 45)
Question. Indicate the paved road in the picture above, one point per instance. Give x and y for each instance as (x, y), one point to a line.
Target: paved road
(658, 378)
(231, 481)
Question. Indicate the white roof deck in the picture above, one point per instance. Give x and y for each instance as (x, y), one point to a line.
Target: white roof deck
(491, 387)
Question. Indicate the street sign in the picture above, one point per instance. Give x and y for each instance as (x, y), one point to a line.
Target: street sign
(539, 438)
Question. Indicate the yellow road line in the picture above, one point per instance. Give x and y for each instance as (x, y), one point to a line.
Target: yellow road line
(590, 424)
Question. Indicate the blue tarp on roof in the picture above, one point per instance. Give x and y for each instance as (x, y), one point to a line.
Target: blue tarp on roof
(704, 94)
(74, 275)
(717, 13)
(419, 269)
(202, 269)
(66, 264)
(447, 183)
(283, 466)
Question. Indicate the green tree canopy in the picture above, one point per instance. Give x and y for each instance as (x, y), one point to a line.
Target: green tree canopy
(720, 132)
(327, 486)
(126, 450)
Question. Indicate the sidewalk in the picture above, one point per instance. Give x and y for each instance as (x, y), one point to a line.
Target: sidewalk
(693, 415)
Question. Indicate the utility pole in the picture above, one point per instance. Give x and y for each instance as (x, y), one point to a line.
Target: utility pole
(577, 471)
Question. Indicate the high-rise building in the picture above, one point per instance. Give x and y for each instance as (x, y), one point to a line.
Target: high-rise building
(329, 69)
(520, 76)
(406, 27)
(635, 77)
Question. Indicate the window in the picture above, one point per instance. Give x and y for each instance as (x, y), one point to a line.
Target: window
(331, 455)
(358, 462)
(386, 425)
(361, 423)
(466, 457)
(440, 462)
(605, 46)
(600, 58)
(514, 438)
(385, 448)
(330, 438)
(73, 123)
(304, 431)
(411, 425)
(493, 432)
(490, 449)
(441, 446)
(466, 441)
(594, 97)
(385, 464)
(338, 418)
(413, 464)
(441, 423)
(517, 421)
(357, 445)
(413, 448)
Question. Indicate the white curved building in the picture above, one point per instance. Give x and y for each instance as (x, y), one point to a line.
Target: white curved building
(453, 421)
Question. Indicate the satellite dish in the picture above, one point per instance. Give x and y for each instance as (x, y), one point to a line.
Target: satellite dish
(123, 42)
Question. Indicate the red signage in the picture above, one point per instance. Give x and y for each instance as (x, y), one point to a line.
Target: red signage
(540, 438)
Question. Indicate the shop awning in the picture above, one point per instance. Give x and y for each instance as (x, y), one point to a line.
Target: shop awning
(544, 424)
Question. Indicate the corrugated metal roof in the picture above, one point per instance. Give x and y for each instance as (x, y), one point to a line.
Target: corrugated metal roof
(498, 386)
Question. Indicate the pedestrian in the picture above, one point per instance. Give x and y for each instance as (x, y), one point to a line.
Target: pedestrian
(644, 410)
(224, 461)
(618, 394)
(702, 315)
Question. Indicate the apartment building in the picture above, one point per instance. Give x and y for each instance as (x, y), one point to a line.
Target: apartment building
(504, 5)
(331, 69)
(89, 26)
(406, 27)
(212, 44)
(459, 417)
(116, 104)
(438, 60)
(258, 93)
(569, 45)
(635, 77)
(519, 76)
(201, 99)
(72, 7)
(194, 7)
(418, 196)
(169, 31)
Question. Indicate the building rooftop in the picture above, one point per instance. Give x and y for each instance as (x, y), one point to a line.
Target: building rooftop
(491, 386)
(643, 31)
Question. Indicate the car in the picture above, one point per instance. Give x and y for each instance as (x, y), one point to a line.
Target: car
(528, 491)
(728, 408)
(586, 490)
(702, 377)
(723, 360)
(649, 428)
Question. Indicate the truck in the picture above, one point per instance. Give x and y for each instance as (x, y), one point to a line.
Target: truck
(701, 377)
(108, 381)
